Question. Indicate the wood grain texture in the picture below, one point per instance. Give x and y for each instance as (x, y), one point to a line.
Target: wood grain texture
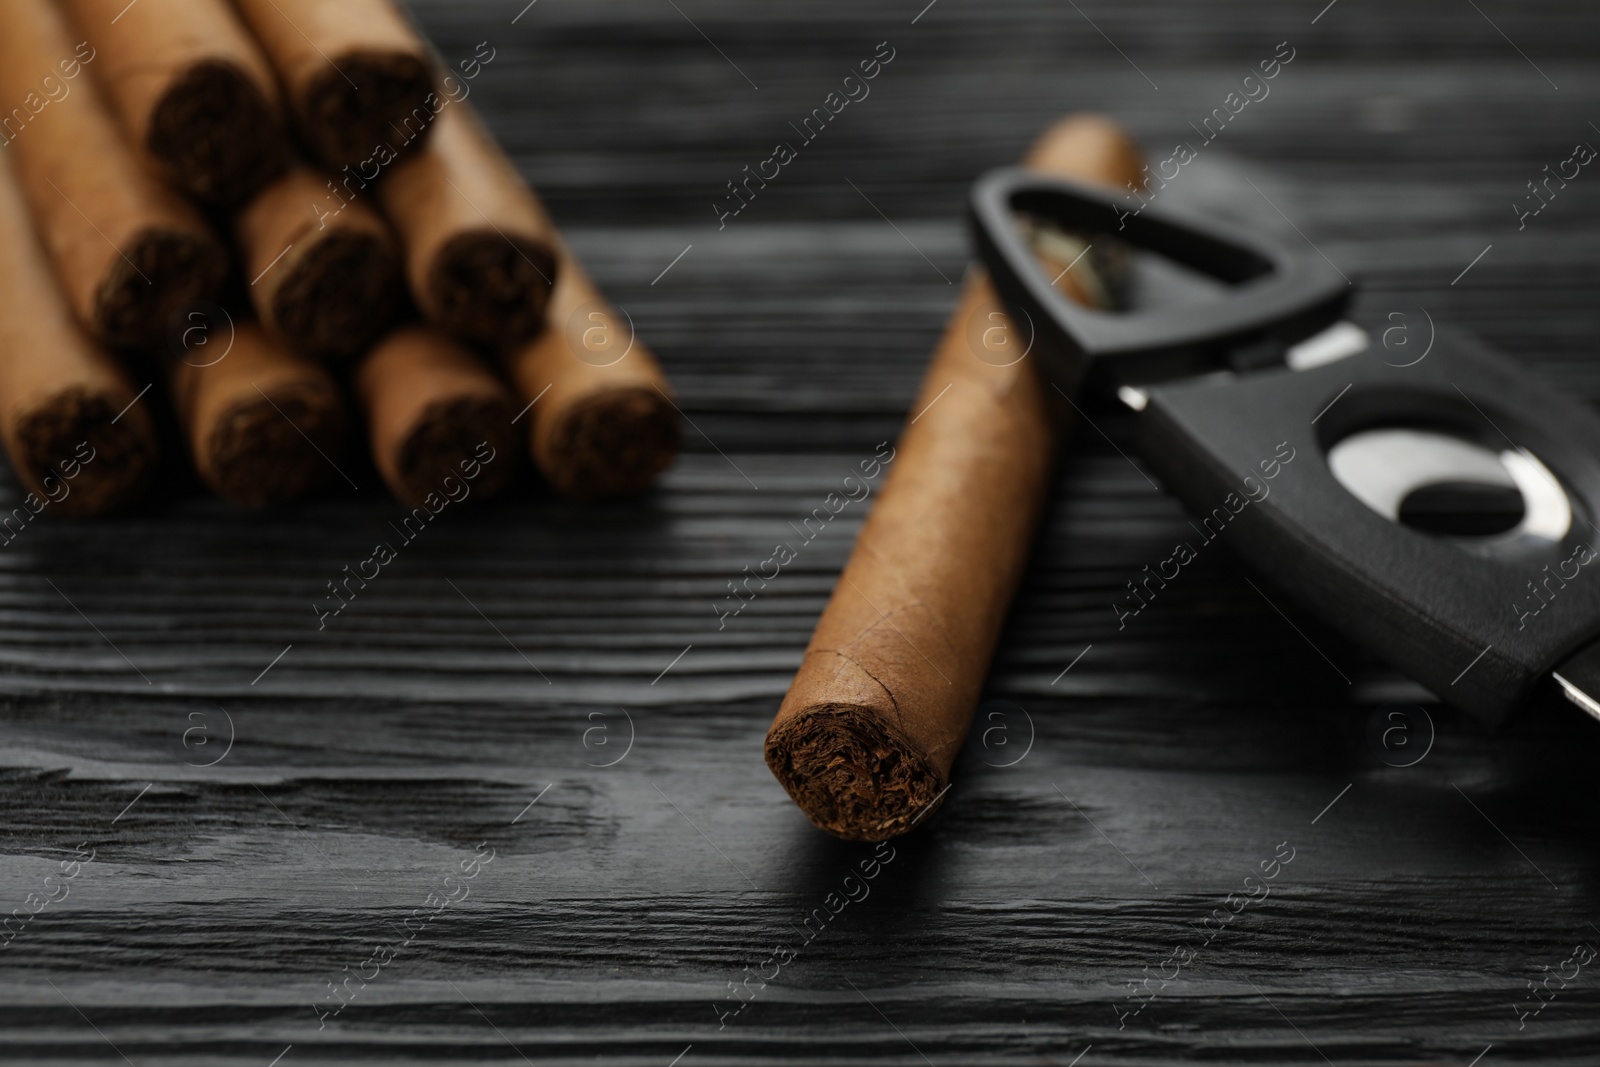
(485, 667)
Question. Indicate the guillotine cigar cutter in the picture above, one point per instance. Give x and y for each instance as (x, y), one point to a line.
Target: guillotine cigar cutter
(1481, 616)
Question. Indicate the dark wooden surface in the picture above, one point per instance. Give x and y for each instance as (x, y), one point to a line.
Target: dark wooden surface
(372, 758)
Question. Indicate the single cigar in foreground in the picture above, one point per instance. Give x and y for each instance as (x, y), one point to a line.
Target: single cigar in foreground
(129, 252)
(356, 74)
(480, 250)
(873, 721)
(603, 422)
(265, 424)
(434, 411)
(323, 270)
(192, 88)
(68, 417)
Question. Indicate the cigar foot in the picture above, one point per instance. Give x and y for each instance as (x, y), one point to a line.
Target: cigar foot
(612, 443)
(449, 430)
(341, 295)
(491, 289)
(256, 453)
(850, 775)
(77, 441)
(158, 272)
(348, 124)
(217, 133)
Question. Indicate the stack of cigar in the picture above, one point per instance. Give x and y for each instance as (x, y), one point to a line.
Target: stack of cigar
(264, 205)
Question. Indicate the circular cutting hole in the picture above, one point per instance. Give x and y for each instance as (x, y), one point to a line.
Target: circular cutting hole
(1452, 487)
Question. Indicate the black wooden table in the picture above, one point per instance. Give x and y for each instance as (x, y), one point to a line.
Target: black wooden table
(512, 803)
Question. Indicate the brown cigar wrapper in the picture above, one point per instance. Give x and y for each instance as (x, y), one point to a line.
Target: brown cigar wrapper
(480, 253)
(873, 721)
(129, 252)
(61, 393)
(430, 404)
(480, 249)
(192, 88)
(603, 420)
(265, 425)
(355, 73)
(324, 272)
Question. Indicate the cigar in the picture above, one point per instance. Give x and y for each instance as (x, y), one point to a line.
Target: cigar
(356, 75)
(481, 253)
(68, 418)
(129, 252)
(264, 424)
(602, 421)
(192, 88)
(323, 267)
(480, 250)
(434, 412)
(866, 736)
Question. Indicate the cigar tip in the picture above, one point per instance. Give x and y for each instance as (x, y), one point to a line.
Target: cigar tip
(491, 288)
(1089, 146)
(339, 296)
(851, 775)
(218, 134)
(366, 98)
(94, 444)
(611, 443)
(256, 453)
(159, 272)
(446, 440)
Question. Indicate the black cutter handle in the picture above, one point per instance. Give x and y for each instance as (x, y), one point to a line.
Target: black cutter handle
(1276, 296)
